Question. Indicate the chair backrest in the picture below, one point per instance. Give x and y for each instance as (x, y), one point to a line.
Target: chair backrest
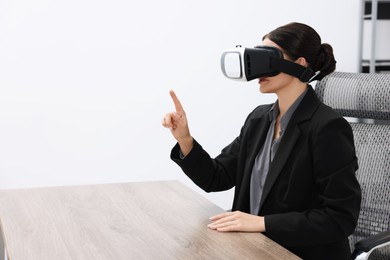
(364, 99)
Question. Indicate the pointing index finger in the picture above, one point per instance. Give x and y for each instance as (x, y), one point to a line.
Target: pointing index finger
(176, 102)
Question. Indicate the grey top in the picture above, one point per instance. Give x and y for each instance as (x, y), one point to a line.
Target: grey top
(267, 152)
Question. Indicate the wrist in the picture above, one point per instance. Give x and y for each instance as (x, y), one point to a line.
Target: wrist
(186, 145)
(262, 224)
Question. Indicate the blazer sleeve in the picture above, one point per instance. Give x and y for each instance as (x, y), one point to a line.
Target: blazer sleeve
(334, 166)
(209, 174)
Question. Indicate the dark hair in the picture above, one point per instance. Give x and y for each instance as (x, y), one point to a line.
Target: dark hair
(300, 40)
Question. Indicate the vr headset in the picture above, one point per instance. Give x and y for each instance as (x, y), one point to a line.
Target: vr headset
(245, 64)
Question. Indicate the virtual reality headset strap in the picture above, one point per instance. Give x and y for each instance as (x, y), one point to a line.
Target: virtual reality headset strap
(304, 74)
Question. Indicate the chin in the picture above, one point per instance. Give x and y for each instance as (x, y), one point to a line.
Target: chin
(264, 90)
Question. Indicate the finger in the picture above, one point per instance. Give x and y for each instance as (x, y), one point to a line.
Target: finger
(167, 121)
(176, 116)
(221, 225)
(172, 120)
(219, 216)
(223, 220)
(179, 108)
(228, 228)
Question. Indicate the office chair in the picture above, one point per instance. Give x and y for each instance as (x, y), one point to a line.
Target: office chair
(364, 100)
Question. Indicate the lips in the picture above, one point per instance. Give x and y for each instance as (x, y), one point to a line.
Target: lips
(262, 80)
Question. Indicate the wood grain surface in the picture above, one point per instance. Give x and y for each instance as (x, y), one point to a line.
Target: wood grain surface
(145, 220)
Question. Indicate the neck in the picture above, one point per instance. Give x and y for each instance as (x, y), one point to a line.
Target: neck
(287, 96)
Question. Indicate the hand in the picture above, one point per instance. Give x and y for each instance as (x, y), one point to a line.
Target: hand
(177, 122)
(237, 221)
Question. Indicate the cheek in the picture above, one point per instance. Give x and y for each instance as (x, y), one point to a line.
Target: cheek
(283, 77)
(274, 83)
(281, 80)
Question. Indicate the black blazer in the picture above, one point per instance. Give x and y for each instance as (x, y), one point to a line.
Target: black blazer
(311, 197)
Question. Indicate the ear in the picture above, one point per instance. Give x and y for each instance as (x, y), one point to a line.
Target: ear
(302, 61)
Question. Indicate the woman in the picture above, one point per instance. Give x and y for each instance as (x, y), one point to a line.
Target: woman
(293, 164)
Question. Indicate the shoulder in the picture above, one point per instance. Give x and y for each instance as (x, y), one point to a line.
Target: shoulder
(260, 111)
(329, 120)
(255, 117)
(326, 113)
(319, 117)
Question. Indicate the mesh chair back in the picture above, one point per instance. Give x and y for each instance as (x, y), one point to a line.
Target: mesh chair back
(365, 100)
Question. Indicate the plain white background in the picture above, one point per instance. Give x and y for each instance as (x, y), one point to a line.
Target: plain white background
(84, 84)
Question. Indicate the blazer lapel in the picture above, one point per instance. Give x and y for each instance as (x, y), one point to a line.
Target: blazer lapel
(256, 138)
(304, 112)
(286, 145)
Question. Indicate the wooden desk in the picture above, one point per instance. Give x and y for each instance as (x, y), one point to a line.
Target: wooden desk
(150, 220)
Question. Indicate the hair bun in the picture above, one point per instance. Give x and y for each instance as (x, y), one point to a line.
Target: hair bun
(326, 62)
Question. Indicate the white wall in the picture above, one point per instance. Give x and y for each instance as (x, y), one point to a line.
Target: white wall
(84, 83)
